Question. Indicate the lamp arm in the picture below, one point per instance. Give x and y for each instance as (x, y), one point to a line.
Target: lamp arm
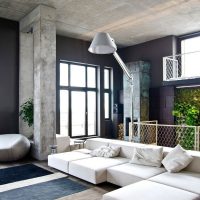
(123, 66)
(130, 78)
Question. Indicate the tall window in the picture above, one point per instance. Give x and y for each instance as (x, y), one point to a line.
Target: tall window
(107, 93)
(191, 59)
(78, 99)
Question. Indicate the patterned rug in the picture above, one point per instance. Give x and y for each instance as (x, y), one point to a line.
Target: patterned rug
(39, 184)
(22, 172)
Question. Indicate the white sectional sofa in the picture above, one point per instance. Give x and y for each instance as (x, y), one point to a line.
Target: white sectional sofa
(138, 182)
(148, 190)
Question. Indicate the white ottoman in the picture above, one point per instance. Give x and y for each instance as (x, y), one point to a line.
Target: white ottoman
(94, 170)
(61, 161)
(13, 147)
(147, 190)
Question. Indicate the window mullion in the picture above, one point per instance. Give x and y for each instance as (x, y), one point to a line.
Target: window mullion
(70, 115)
(86, 113)
(107, 90)
(86, 103)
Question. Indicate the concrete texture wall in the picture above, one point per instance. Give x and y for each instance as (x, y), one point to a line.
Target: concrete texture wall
(9, 79)
(41, 23)
(25, 77)
(140, 71)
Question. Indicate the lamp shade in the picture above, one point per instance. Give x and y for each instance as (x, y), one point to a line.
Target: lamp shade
(102, 44)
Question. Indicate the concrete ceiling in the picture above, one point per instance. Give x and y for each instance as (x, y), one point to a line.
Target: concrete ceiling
(128, 21)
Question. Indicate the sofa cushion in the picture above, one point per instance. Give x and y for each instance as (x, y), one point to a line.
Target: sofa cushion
(85, 151)
(95, 143)
(106, 151)
(94, 169)
(194, 166)
(126, 148)
(183, 180)
(147, 190)
(61, 161)
(177, 159)
(147, 156)
(126, 174)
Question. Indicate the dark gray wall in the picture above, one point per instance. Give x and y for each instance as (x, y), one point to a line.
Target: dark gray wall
(77, 51)
(161, 98)
(152, 51)
(9, 76)
(161, 103)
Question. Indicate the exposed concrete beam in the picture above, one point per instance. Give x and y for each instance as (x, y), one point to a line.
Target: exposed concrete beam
(40, 12)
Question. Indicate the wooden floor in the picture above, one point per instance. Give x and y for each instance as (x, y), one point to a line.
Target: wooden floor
(94, 192)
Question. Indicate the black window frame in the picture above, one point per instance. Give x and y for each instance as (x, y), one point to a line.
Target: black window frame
(109, 92)
(179, 40)
(185, 37)
(85, 89)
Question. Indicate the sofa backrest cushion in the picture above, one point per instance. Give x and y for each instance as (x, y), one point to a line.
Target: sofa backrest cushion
(95, 143)
(126, 148)
(194, 166)
(177, 159)
(106, 151)
(148, 156)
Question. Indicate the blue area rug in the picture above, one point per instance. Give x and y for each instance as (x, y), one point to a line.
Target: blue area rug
(22, 172)
(44, 191)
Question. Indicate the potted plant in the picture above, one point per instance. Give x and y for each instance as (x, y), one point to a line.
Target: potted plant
(26, 113)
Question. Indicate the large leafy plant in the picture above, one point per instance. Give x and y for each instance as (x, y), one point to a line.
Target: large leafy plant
(187, 112)
(26, 112)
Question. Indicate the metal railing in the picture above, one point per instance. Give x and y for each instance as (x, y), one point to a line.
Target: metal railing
(181, 66)
(165, 135)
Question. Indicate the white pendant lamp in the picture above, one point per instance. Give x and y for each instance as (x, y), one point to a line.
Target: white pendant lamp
(102, 44)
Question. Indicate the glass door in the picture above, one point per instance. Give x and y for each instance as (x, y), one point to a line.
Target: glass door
(78, 113)
(91, 114)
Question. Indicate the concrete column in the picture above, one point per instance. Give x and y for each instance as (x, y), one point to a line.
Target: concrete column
(140, 71)
(25, 77)
(42, 23)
